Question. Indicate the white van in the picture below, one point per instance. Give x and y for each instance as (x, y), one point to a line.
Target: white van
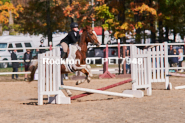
(13, 42)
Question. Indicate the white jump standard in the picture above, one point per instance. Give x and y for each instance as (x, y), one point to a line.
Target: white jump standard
(49, 79)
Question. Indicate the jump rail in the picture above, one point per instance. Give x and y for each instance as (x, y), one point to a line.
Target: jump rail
(4, 61)
(103, 88)
(26, 48)
(5, 73)
(96, 91)
(180, 87)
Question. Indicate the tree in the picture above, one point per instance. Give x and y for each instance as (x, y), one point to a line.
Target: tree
(130, 25)
(34, 18)
(123, 17)
(171, 16)
(6, 11)
(84, 13)
(81, 11)
(118, 16)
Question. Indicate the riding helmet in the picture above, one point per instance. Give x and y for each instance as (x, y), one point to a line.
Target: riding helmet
(42, 40)
(74, 25)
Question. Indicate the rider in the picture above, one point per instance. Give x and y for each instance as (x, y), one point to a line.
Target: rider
(72, 38)
(42, 45)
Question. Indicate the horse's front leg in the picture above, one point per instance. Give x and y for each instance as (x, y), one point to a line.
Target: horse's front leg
(87, 78)
(68, 92)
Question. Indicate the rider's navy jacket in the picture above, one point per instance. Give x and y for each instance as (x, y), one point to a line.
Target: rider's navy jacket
(71, 38)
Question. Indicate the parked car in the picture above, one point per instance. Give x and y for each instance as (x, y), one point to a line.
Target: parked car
(14, 42)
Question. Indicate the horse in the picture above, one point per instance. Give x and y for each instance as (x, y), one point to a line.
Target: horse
(86, 37)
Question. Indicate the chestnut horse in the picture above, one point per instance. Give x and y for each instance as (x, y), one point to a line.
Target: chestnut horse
(86, 36)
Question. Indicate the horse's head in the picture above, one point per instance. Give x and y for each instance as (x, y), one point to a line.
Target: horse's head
(91, 36)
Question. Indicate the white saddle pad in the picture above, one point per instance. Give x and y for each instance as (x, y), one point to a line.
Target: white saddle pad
(72, 50)
(72, 55)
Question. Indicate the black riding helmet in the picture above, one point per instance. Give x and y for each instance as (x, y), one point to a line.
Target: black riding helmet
(42, 40)
(74, 25)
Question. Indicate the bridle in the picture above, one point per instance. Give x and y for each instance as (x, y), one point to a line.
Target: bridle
(92, 41)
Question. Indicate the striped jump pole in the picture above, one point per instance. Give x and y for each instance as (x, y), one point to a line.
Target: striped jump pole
(176, 74)
(180, 87)
(96, 91)
(5, 73)
(50, 45)
(119, 62)
(103, 88)
(106, 73)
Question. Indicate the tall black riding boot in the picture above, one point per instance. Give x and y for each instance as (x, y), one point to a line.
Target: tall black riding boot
(64, 55)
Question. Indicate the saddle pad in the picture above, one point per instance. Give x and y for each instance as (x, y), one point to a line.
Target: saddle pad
(72, 50)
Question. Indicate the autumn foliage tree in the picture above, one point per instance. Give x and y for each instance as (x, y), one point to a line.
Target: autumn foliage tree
(172, 17)
(7, 10)
(124, 17)
(106, 15)
(33, 19)
(81, 11)
(130, 25)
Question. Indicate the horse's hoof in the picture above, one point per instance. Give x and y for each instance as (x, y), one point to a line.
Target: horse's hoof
(88, 79)
(69, 93)
(77, 83)
(90, 75)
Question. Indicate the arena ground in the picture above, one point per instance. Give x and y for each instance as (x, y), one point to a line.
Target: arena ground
(18, 101)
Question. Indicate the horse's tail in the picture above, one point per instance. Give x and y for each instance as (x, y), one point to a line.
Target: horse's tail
(32, 69)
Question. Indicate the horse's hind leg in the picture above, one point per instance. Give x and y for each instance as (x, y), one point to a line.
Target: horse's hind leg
(90, 74)
(81, 81)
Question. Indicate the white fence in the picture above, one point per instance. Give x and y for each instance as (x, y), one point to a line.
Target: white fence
(156, 65)
(156, 56)
(50, 78)
(20, 61)
(141, 72)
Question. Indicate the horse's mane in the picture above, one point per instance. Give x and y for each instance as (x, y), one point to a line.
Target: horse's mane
(85, 29)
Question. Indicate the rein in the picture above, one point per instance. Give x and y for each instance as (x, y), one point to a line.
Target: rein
(92, 41)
